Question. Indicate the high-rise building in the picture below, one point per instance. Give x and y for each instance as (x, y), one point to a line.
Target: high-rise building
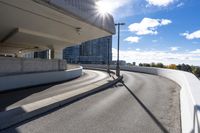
(71, 54)
(97, 51)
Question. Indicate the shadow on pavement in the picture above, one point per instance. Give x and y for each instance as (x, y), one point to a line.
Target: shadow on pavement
(11, 97)
(8, 98)
(158, 123)
(13, 128)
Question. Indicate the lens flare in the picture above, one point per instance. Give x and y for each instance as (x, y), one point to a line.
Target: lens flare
(103, 7)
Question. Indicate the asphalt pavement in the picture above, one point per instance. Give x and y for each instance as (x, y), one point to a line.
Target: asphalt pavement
(143, 103)
(12, 99)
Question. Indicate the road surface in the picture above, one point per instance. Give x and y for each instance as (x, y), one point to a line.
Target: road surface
(142, 104)
(13, 99)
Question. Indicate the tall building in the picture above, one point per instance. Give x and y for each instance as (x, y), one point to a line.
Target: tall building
(91, 52)
(71, 54)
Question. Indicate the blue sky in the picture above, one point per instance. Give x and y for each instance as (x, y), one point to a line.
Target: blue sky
(166, 31)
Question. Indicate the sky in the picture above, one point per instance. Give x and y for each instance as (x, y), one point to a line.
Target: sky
(166, 31)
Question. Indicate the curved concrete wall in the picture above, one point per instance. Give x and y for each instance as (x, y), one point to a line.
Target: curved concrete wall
(189, 94)
(25, 80)
(11, 65)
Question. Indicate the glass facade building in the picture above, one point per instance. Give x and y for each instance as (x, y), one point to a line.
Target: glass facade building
(98, 51)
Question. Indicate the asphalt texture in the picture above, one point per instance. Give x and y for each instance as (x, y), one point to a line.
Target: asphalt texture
(12, 99)
(142, 103)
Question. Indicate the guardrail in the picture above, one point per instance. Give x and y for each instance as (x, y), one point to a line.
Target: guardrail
(189, 94)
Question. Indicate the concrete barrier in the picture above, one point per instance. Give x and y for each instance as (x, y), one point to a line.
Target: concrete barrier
(32, 79)
(189, 94)
(11, 65)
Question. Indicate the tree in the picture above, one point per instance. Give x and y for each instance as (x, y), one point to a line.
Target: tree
(160, 65)
(196, 72)
(140, 64)
(146, 65)
(128, 64)
(178, 67)
(172, 66)
(186, 68)
(153, 64)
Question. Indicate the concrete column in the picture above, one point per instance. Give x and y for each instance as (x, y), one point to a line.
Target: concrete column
(51, 54)
(19, 55)
(56, 53)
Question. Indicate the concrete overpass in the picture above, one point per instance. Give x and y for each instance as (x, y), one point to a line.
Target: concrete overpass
(35, 25)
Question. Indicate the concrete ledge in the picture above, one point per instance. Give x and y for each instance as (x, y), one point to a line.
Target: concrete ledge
(19, 114)
(25, 80)
(189, 94)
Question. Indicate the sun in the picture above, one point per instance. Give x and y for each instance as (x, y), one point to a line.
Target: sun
(103, 7)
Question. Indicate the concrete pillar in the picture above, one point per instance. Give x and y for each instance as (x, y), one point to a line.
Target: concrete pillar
(56, 53)
(19, 55)
(48, 54)
(51, 54)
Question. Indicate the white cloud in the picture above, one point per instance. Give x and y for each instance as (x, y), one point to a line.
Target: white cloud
(174, 48)
(137, 49)
(197, 51)
(148, 26)
(132, 39)
(191, 36)
(165, 22)
(160, 3)
(166, 57)
(180, 4)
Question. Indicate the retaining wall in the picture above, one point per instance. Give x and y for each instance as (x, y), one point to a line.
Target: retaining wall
(32, 79)
(9, 65)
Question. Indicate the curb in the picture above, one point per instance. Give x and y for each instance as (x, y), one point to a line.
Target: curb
(100, 69)
(28, 111)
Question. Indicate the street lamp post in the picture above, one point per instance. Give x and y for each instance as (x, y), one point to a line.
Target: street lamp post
(108, 67)
(117, 67)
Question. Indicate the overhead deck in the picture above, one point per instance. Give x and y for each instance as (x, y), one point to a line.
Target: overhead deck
(34, 25)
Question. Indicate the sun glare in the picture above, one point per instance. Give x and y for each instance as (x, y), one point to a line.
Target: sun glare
(103, 7)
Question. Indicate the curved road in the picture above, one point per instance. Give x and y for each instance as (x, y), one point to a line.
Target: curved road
(16, 98)
(141, 104)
